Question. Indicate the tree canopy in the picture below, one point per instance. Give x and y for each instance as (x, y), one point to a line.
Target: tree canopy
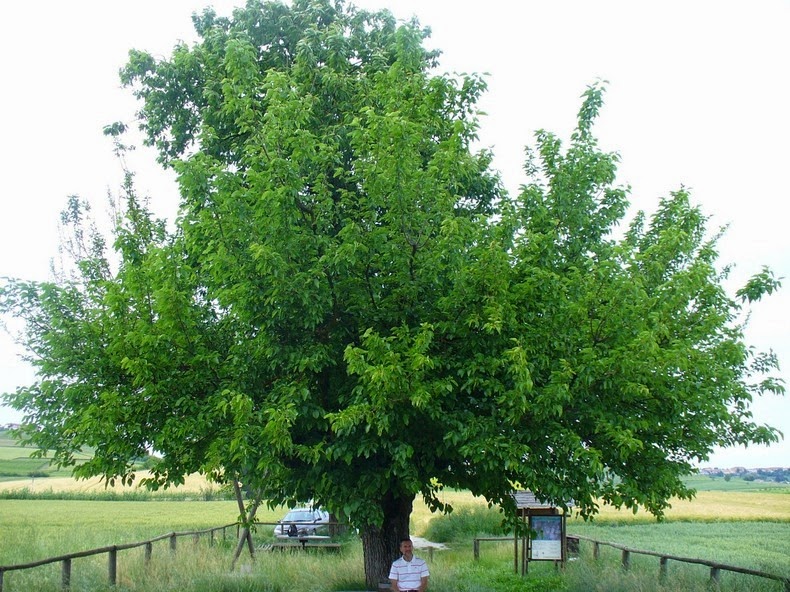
(351, 310)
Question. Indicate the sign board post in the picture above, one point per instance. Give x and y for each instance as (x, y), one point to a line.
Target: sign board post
(545, 537)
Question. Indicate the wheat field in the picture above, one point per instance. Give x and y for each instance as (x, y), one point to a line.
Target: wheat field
(707, 506)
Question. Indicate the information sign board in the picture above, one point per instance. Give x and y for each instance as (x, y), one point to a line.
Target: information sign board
(546, 538)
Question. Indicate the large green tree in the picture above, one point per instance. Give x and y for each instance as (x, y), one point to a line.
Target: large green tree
(351, 311)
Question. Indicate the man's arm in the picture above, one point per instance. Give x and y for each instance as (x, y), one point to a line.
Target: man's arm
(393, 585)
(423, 583)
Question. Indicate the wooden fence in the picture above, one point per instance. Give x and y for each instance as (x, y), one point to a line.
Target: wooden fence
(715, 567)
(112, 554)
(663, 559)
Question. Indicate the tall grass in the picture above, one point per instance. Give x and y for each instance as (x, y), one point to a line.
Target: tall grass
(465, 523)
(203, 569)
(187, 569)
(606, 575)
(200, 568)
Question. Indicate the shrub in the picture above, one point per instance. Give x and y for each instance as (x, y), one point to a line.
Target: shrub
(465, 524)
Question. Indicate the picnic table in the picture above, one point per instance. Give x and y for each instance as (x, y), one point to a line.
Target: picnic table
(303, 543)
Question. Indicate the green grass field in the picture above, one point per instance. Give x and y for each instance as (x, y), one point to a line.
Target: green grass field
(33, 529)
(768, 543)
(703, 483)
(16, 462)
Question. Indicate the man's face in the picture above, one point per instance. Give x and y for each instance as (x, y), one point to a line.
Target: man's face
(406, 549)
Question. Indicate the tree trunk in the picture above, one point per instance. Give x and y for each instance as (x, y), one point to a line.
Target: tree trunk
(246, 534)
(381, 545)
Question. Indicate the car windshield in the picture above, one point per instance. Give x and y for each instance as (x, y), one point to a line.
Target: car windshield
(299, 516)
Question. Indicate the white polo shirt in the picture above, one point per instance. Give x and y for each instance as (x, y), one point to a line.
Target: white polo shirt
(409, 573)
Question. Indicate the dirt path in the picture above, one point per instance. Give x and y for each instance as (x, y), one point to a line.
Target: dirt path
(421, 543)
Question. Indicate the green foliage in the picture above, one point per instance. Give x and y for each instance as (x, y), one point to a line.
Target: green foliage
(485, 577)
(351, 311)
(759, 285)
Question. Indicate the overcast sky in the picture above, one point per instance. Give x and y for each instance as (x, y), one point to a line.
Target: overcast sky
(698, 96)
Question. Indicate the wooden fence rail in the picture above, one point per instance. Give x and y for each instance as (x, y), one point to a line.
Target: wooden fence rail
(715, 567)
(112, 554)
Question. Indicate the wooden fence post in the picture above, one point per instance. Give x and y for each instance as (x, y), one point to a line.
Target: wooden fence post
(112, 566)
(65, 574)
(477, 549)
(1, 580)
(715, 576)
(211, 538)
(626, 560)
(173, 542)
(515, 554)
(149, 549)
(662, 569)
(596, 550)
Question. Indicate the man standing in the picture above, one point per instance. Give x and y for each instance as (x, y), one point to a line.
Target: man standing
(409, 573)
